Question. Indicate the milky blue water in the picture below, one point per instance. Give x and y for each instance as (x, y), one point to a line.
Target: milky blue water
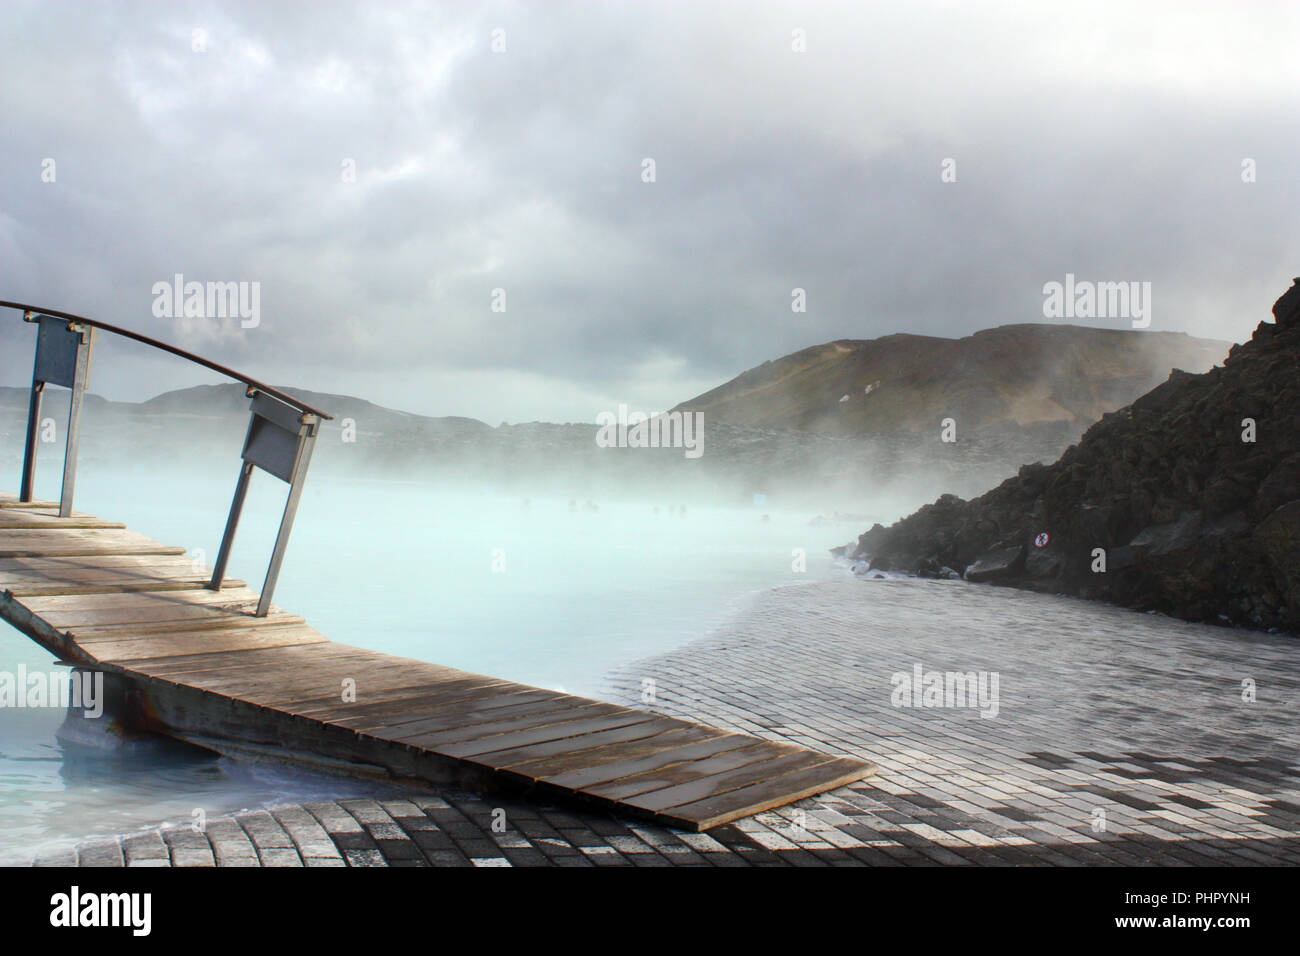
(536, 591)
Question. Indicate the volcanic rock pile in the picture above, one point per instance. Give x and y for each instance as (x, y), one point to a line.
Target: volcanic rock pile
(1185, 502)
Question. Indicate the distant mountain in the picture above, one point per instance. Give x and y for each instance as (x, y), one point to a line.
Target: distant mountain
(778, 431)
(230, 400)
(1021, 375)
(205, 400)
(209, 421)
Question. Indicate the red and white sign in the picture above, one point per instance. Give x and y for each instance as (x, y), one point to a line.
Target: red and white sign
(1042, 540)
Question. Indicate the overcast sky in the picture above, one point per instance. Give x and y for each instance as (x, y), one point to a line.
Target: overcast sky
(1102, 141)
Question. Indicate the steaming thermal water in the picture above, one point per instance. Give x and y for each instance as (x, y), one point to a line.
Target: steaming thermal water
(534, 592)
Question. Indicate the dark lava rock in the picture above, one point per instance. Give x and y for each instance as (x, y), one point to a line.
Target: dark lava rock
(1279, 536)
(1161, 539)
(996, 564)
(1164, 505)
(1287, 309)
(1044, 563)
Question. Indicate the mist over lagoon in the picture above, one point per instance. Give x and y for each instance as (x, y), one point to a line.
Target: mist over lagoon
(550, 591)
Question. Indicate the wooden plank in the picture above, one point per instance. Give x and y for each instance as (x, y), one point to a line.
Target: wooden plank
(208, 642)
(82, 580)
(250, 638)
(89, 635)
(53, 535)
(79, 541)
(10, 500)
(714, 785)
(315, 681)
(675, 734)
(639, 772)
(199, 605)
(194, 597)
(163, 575)
(12, 519)
(764, 795)
(415, 695)
(480, 718)
(261, 657)
(92, 562)
(155, 613)
(481, 750)
(231, 665)
(326, 661)
(424, 690)
(422, 703)
(550, 715)
(18, 549)
(37, 589)
(46, 576)
(585, 742)
(691, 767)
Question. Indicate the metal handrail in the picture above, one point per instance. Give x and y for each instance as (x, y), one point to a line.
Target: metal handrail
(174, 350)
(281, 433)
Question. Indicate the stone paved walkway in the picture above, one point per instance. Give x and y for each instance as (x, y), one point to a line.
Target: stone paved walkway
(1118, 739)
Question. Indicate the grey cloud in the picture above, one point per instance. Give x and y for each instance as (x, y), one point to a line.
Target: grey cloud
(1103, 141)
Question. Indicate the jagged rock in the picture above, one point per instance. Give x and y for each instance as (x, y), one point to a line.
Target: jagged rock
(1161, 539)
(1287, 308)
(1281, 485)
(1044, 563)
(1279, 535)
(1198, 515)
(1117, 559)
(996, 564)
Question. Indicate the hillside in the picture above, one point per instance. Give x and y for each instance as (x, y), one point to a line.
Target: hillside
(231, 400)
(1187, 501)
(1025, 375)
(203, 427)
(894, 467)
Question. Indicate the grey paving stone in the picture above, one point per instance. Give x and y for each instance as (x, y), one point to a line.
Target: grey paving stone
(142, 847)
(101, 853)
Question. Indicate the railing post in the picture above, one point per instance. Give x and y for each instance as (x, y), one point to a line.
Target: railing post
(308, 443)
(232, 522)
(29, 452)
(81, 372)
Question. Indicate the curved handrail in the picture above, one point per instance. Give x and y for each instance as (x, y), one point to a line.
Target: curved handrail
(174, 350)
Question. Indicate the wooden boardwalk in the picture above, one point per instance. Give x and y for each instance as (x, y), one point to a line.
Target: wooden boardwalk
(198, 665)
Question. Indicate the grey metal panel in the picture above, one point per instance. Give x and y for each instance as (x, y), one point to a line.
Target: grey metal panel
(277, 411)
(56, 352)
(271, 447)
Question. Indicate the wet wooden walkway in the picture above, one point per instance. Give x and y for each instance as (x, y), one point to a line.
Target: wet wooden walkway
(198, 665)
